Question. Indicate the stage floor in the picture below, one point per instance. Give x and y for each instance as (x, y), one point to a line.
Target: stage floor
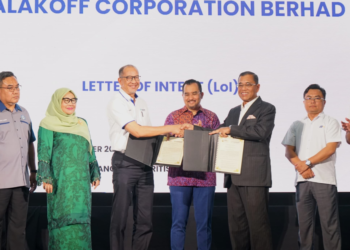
(282, 213)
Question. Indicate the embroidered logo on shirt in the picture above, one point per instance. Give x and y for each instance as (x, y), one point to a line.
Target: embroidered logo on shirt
(321, 126)
(23, 117)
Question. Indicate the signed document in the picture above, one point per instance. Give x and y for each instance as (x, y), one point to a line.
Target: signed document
(229, 155)
(171, 151)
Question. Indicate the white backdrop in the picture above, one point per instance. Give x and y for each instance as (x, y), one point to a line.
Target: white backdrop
(50, 50)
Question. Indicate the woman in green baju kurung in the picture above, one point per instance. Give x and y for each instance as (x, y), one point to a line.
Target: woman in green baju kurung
(67, 166)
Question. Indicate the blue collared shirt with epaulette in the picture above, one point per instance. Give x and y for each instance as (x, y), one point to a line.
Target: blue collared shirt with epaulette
(16, 133)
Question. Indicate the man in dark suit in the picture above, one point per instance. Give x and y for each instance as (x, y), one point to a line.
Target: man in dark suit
(247, 194)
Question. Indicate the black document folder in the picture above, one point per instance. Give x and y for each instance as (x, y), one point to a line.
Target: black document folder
(200, 151)
(144, 150)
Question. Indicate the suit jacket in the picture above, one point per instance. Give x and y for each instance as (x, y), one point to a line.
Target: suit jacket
(256, 164)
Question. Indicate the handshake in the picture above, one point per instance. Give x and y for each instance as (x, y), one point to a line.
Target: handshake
(179, 130)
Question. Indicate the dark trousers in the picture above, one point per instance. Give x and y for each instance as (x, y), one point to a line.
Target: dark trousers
(132, 182)
(203, 201)
(248, 218)
(15, 202)
(309, 197)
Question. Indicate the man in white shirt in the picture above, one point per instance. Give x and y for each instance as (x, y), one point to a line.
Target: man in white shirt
(132, 181)
(310, 146)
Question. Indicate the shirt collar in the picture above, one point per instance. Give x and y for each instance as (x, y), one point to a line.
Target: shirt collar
(248, 104)
(126, 96)
(185, 109)
(317, 117)
(3, 107)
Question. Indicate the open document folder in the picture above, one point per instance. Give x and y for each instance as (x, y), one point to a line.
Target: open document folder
(156, 150)
(211, 153)
(171, 152)
(144, 150)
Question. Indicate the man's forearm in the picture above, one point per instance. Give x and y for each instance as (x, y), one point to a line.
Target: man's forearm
(31, 157)
(292, 156)
(324, 154)
(147, 131)
(154, 131)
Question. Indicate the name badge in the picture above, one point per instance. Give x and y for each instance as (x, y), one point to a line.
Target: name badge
(142, 110)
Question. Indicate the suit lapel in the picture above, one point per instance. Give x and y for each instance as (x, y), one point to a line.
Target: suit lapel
(235, 116)
(251, 110)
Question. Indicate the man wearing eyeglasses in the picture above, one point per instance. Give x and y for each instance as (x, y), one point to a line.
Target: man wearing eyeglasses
(16, 155)
(247, 193)
(310, 146)
(132, 181)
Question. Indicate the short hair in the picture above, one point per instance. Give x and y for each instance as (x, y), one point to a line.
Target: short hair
(255, 76)
(121, 70)
(191, 81)
(315, 86)
(4, 75)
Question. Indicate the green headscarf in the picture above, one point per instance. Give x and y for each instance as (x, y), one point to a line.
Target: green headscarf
(58, 121)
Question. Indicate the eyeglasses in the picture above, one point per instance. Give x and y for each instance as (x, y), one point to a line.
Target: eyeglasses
(316, 99)
(68, 100)
(12, 88)
(130, 78)
(248, 85)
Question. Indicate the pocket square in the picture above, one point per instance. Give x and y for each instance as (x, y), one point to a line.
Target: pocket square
(251, 117)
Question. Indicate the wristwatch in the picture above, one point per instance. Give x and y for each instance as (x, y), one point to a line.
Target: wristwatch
(308, 162)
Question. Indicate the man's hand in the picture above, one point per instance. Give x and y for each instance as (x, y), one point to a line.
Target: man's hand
(307, 174)
(187, 126)
(182, 128)
(224, 132)
(199, 124)
(48, 187)
(95, 184)
(346, 125)
(178, 131)
(33, 182)
(301, 167)
(305, 171)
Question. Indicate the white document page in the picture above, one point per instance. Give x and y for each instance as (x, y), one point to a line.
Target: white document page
(171, 151)
(229, 155)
